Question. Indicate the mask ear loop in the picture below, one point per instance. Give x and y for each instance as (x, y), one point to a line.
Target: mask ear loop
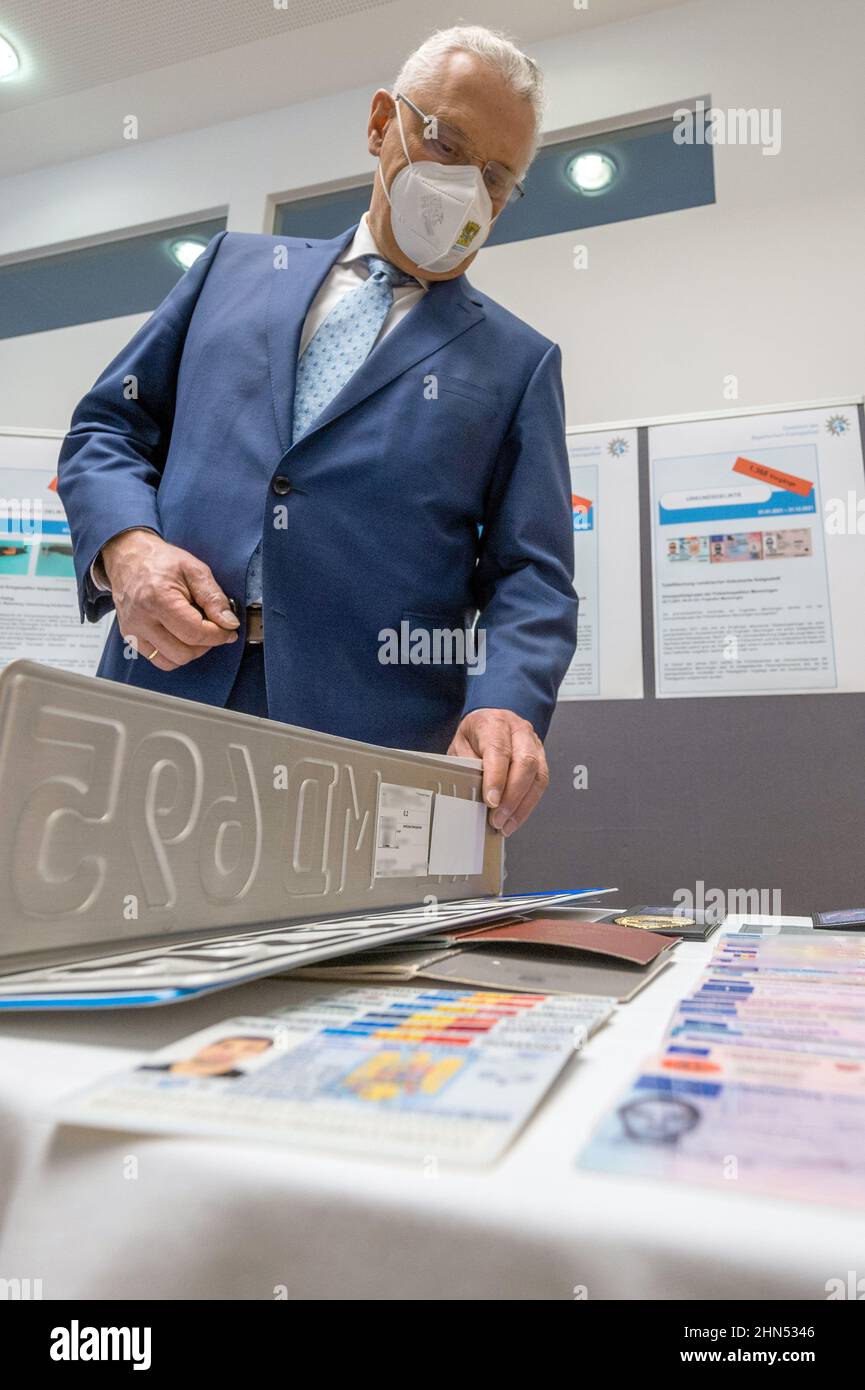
(405, 152)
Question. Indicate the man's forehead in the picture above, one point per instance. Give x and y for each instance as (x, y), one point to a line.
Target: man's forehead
(479, 106)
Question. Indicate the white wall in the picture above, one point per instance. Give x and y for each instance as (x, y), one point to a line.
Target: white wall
(767, 284)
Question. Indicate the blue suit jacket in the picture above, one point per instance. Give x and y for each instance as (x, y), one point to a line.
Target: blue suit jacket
(454, 422)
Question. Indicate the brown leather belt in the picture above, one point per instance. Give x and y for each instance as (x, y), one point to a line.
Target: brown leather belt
(254, 625)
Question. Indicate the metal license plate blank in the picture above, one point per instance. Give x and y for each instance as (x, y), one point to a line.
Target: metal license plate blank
(131, 818)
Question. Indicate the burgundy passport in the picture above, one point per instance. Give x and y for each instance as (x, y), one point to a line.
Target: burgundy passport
(601, 938)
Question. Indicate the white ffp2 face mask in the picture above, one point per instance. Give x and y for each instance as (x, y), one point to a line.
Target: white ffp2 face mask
(439, 213)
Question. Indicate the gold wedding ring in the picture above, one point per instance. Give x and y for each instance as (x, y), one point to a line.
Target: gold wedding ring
(154, 653)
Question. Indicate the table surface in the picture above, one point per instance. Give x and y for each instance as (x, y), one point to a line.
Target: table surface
(96, 1214)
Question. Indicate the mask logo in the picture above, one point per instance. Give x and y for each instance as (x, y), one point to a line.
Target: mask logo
(431, 209)
(468, 234)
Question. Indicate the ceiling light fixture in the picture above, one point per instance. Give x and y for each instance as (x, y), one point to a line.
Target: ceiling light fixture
(186, 251)
(591, 172)
(9, 60)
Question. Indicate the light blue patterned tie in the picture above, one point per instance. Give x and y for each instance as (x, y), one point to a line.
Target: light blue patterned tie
(331, 358)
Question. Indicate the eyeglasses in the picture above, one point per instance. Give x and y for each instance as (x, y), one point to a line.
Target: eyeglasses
(449, 146)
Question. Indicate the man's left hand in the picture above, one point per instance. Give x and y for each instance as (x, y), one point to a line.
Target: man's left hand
(515, 767)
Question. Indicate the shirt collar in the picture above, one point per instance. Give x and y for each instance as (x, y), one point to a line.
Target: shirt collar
(363, 243)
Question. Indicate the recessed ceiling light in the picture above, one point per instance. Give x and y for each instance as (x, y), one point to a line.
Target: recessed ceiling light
(186, 251)
(591, 172)
(9, 60)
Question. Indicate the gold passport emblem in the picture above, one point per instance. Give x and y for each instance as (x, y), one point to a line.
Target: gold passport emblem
(468, 234)
(654, 923)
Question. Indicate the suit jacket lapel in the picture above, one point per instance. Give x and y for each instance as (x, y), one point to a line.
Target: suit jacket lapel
(293, 287)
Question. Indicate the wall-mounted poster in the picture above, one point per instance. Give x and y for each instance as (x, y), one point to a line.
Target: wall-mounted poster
(608, 662)
(38, 605)
(757, 559)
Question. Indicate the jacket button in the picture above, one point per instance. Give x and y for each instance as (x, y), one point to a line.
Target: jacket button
(281, 485)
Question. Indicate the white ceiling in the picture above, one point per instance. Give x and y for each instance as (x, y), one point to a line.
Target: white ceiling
(182, 64)
(88, 42)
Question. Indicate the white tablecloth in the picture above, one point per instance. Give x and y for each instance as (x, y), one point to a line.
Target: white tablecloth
(208, 1219)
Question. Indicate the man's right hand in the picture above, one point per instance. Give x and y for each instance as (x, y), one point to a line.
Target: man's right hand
(157, 590)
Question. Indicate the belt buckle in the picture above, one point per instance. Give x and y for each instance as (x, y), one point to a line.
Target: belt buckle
(254, 625)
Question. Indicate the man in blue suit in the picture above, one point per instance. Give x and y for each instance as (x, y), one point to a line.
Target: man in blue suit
(319, 460)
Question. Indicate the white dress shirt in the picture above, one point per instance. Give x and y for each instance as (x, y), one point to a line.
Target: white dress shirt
(345, 274)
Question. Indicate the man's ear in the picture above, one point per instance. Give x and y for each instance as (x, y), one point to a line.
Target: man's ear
(380, 115)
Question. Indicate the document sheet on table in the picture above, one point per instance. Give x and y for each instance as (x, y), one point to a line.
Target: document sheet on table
(423, 1075)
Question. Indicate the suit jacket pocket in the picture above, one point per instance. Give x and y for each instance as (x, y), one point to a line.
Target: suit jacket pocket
(482, 396)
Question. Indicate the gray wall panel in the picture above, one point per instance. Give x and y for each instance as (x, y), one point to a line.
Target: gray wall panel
(764, 792)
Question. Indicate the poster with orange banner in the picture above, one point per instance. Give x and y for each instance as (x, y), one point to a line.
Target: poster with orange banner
(39, 615)
(758, 557)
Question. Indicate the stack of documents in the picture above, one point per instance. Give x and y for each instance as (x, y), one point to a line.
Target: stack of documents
(421, 1075)
(171, 972)
(561, 955)
(759, 1084)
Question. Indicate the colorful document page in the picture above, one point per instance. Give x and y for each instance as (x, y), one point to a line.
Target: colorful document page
(759, 1084)
(742, 1120)
(422, 1075)
(801, 958)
